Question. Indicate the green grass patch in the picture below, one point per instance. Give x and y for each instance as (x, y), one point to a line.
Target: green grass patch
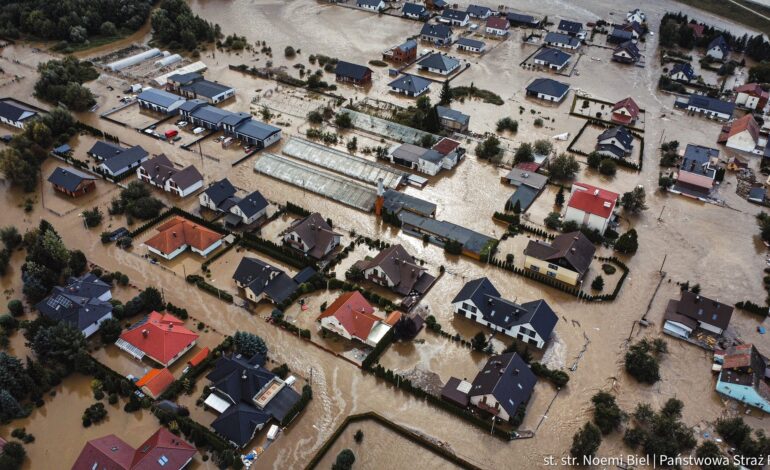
(732, 12)
(462, 92)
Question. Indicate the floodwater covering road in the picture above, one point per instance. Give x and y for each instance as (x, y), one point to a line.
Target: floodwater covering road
(716, 247)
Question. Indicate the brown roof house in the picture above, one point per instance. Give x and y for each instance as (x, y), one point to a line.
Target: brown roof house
(397, 270)
(567, 258)
(694, 311)
(160, 172)
(178, 234)
(312, 236)
(744, 377)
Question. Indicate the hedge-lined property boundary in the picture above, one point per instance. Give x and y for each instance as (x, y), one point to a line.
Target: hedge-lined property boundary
(210, 288)
(180, 212)
(398, 429)
(620, 161)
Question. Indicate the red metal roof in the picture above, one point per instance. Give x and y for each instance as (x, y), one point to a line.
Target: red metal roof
(498, 22)
(156, 381)
(354, 313)
(528, 166)
(446, 146)
(108, 453)
(163, 445)
(593, 200)
(162, 337)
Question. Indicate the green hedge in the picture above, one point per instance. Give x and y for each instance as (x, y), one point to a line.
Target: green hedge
(211, 289)
(751, 307)
(307, 395)
(218, 254)
(283, 254)
(297, 210)
(176, 388)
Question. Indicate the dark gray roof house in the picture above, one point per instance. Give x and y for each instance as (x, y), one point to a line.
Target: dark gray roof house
(264, 280)
(503, 315)
(251, 397)
(552, 57)
(686, 69)
(517, 19)
(69, 178)
(470, 44)
(569, 250)
(82, 303)
(561, 40)
(221, 193)
(454, 15)
(572, 28)
(436, 31)
(628, 52)
(697, 159)
(711, 106)
(410, 85)
(102, 150)
(315, 236)
(439, 63)
(252, 204)
(619, 35)
(414, 10)
(159, 169)
(548, 89)
(615, 142)
(127, 159)
(348, 71)
(478, 11)
(396, 269)
(450, 114)
(206, 88)
(718, 43)
(508, 380)
(13, 114)
(396, 201)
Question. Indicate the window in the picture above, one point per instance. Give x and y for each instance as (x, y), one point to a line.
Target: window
(535, 268)
(551, 274)
(163, 460)
(553, 266)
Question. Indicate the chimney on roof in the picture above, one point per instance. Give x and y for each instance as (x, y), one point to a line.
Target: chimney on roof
(173, 234)
(145, 333)
(596, 192)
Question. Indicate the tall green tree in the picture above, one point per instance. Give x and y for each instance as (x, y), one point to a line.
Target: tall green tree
(446, 94)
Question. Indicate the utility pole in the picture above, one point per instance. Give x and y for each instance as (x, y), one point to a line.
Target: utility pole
(664, 262)
(661, 213)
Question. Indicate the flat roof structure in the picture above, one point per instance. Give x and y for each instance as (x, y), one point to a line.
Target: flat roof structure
(386, 128)
(314, 180)
(343, 163)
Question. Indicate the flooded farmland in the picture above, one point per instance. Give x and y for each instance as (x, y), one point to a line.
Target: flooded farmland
(717, 247)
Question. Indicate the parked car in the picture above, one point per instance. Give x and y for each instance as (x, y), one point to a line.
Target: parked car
(177, 138)
(182, 123)
(198, 130)
(121, 232)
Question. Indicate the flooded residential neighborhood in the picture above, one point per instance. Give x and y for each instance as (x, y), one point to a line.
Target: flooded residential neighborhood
(370, 234)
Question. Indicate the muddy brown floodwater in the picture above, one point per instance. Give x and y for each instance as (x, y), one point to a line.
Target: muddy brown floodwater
(714, 246)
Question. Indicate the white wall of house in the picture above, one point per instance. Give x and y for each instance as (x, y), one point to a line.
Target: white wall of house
(747, 100)
(94, 327)
(332, 324)
(496, 31)
(490, 401)
(677, 328)
(183, 192)
(562, 45)
(592, 221)
(543, 96)
(429, 168)
(169, 256)
(550, 65)
(715, 53)
(11, 123)
(208, 250)
(709, 113)
(742, 141)
(206, 202)
(710, 327)
(247, 220)
(381, 277)
(680, 76)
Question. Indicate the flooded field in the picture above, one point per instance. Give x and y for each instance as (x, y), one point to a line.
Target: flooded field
(715, 246)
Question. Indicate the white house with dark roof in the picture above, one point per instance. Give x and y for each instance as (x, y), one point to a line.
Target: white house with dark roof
(503, 387)
(219, 196)
(84, 303)
(410, 85)
(561, 40)
(248, 209)
(478, 11)
(415, 11)
(312, 236)
(374, 5)
(718, 48)
(627, 53)
(615, 142)
(438, 34)
(15, 115)
(572, 28)
(438, 63)
(470, 45)
(159, 171)
(682, 73)
(530, 322)
(455, 17)
(553, 59)
(547, 89)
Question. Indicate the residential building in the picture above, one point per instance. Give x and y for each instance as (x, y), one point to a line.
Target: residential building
(503, 386)
(636, 15)
(718, 48)
(625, 112)
(436, 4)
(159, 101)
(553, 59)
(751, 96)
(470, 45)
(262, 281)
(694, 311)
(72, 182)
(456, 392)
(161, 450)
(591, 206)
(410, 85)
(697, 29)
(450, 151)
(397, 270)
(248, 210)
(452, 119)
(83, 303)
(161, 337)
(615, 142)
(530, 322)
(160, 172)
(744, 377)
(528, 185)
(561, 40)
(618, 35)
(567, 258)
(438, 63)
(455, 17)
(403, 53)
(312, 236)
(571, 28)
(155, 382)
(697, 171)
(247, 396)
(636, 29)
(548, 89)
(474, 244)
(711, 108)
(219, 196)
(374, 5)
(238, 125)
(192, 85)
(682, 72)
(14, 114)
(416, 158)
(115, 160)
(438, 34)
(394, 202)
(741, 134)
(480, 12)
(627, 53)
(415, 11)
(353, 318)
(179, 234)
(518, 19)
(497, 26)
(347, 72)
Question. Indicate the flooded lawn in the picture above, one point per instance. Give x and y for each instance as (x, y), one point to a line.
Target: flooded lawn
(596, 110)
(136, 117)
(223, 268)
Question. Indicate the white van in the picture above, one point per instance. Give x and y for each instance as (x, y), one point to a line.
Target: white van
(290, 380)
(273, 432)
(198, 130)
